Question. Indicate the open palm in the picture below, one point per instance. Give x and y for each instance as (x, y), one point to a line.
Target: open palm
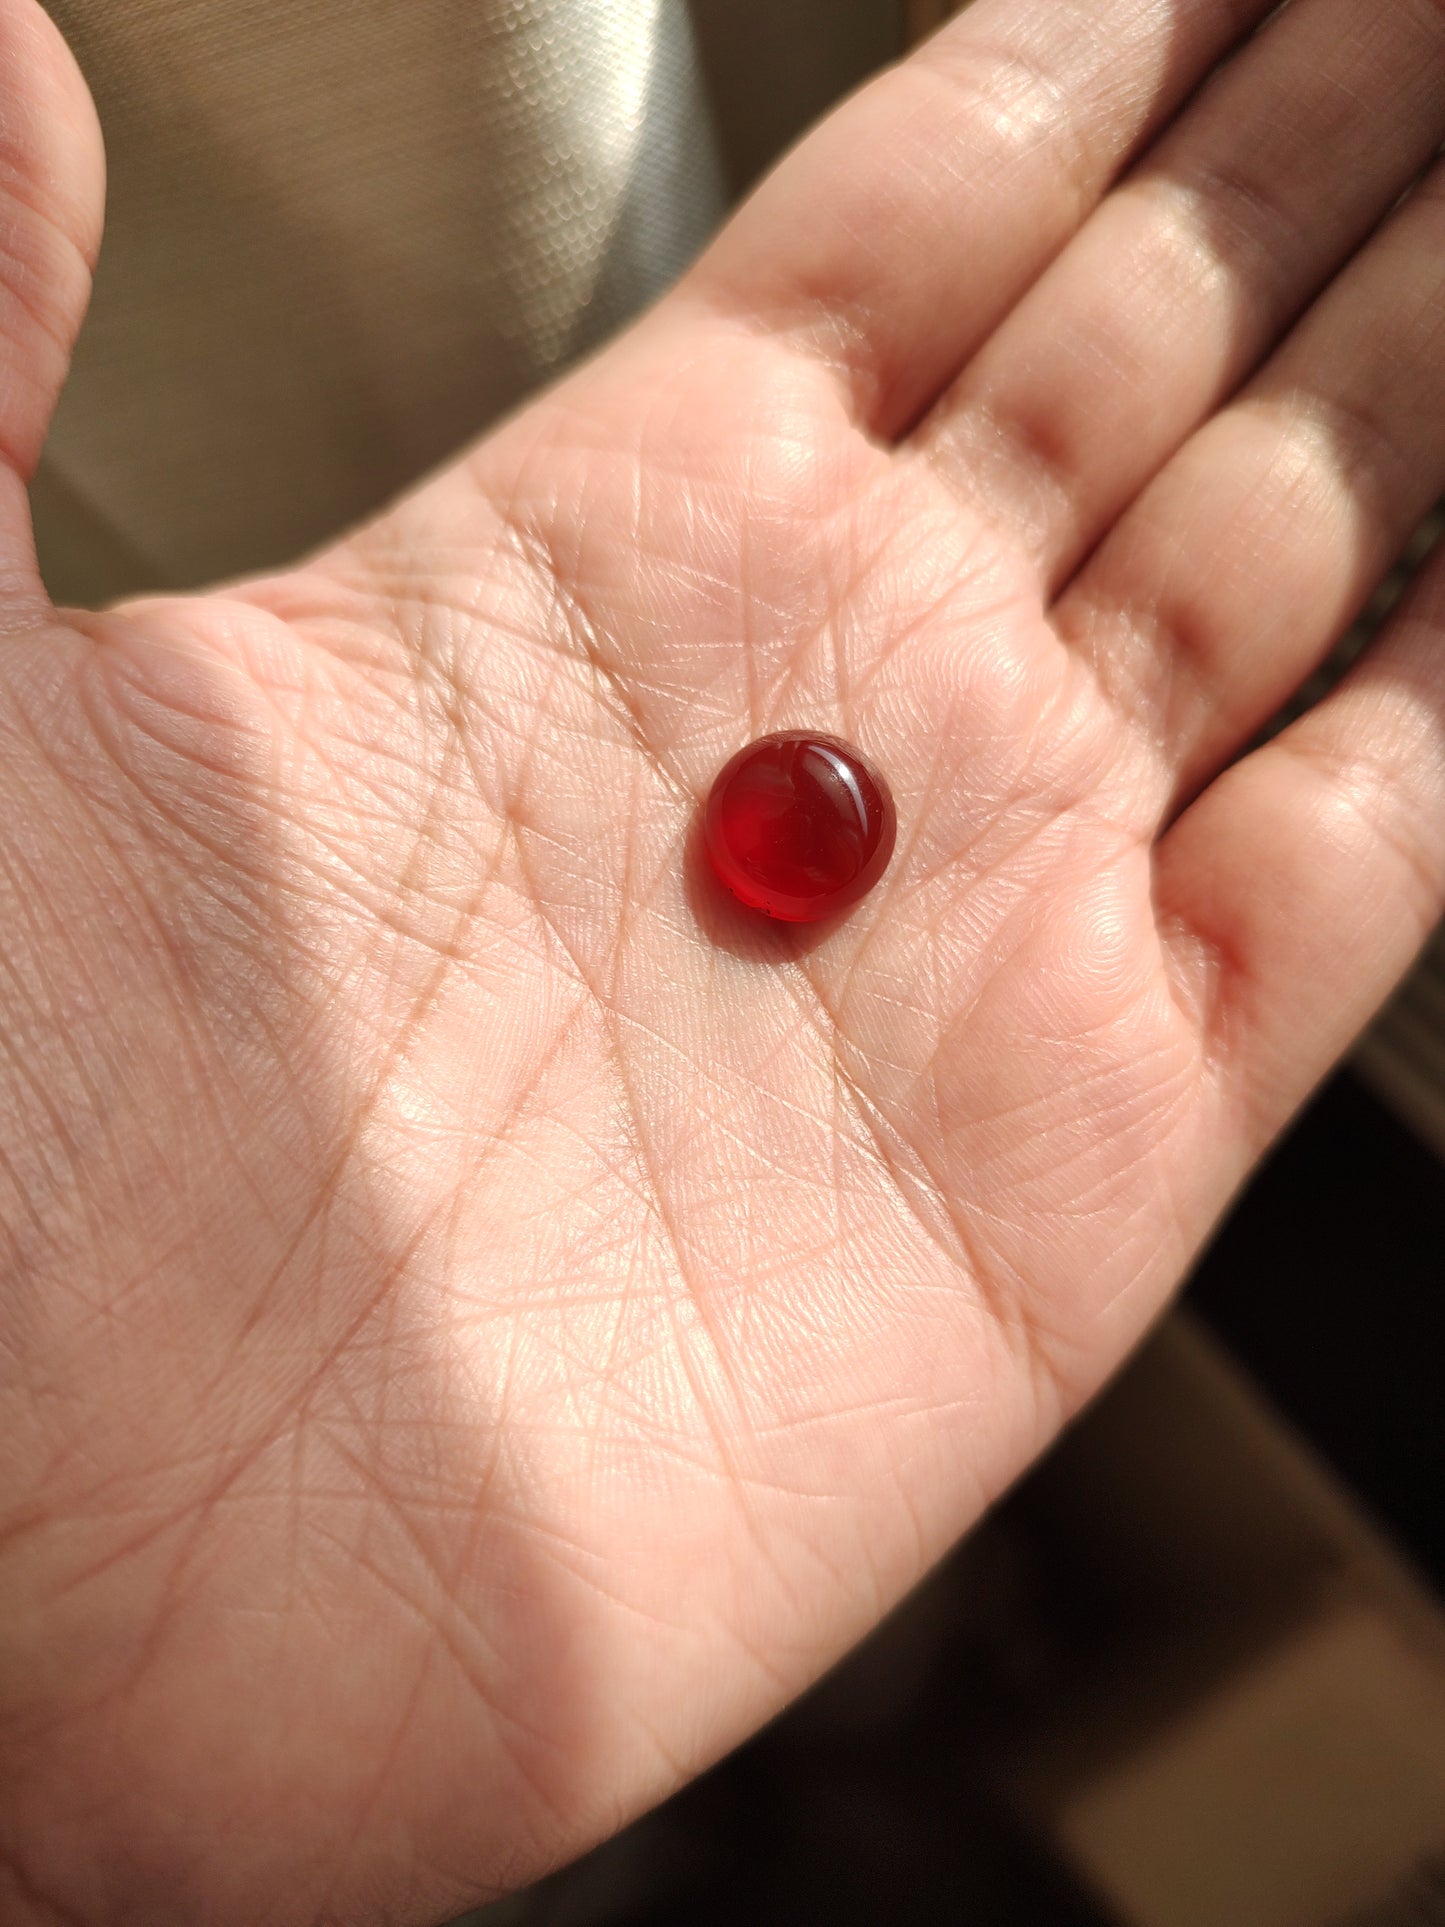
(485, 1320)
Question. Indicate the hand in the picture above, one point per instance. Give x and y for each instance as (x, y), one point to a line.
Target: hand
(485, 1322)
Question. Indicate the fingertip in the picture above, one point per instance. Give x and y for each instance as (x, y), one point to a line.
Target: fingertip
(52, 193)
(50, 137)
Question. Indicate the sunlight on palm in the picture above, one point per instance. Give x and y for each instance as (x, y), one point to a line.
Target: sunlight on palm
(488, 1320)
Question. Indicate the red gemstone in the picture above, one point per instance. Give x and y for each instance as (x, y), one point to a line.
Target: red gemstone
(799, 826)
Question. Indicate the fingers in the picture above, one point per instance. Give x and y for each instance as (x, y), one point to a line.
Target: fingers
(51, 195)
(1189, 273)
(906, 227)
(1294, 893)
(1250, 553)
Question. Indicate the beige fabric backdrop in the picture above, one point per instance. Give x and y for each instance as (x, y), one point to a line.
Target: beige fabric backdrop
(345, 234)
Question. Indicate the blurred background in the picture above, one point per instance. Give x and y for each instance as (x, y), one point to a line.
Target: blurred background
(1192, 1672)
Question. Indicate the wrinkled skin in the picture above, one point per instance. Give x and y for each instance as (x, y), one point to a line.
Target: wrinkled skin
(485, 1321)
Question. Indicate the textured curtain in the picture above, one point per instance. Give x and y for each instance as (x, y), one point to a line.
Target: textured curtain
(344, 235)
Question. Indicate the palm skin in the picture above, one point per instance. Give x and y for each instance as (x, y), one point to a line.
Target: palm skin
(486, 1321)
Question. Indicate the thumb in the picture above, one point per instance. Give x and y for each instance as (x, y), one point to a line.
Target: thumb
(52, 191)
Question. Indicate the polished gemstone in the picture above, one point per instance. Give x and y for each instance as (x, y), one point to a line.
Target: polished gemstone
(799, 826)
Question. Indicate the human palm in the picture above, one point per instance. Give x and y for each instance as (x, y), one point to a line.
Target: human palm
(486, 1320)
